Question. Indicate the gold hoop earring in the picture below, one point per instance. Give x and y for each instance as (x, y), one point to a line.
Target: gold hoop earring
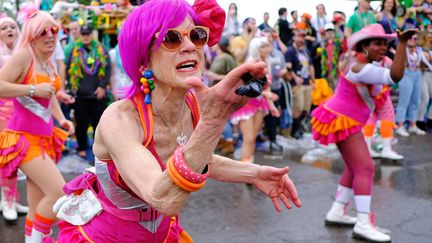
(365, 53)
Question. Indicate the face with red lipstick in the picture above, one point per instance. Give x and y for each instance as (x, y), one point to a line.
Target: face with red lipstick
(173, 65)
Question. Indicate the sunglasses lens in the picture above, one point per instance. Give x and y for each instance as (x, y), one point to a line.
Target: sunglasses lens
(172, 40)
(54, 30)
(198, 36)
(44, 32)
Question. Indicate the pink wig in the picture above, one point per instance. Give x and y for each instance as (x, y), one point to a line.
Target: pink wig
(136, 39)
(34, 26)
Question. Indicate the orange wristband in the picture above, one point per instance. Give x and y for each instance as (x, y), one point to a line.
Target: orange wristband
(180, 181)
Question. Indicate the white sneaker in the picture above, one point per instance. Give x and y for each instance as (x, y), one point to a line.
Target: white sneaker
(364, 230)
(338, 216)
(391, 155)
(9, 213)
(401, 131)
(416, 130)
(21, 209)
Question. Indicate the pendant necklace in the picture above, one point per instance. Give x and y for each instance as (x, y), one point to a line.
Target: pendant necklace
(182, 138)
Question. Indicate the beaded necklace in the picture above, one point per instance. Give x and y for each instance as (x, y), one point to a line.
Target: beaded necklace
(93, 63)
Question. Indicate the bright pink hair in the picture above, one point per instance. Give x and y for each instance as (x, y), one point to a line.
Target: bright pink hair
(136, 39)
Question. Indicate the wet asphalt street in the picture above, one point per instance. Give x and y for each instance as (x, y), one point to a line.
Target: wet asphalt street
(222, 212)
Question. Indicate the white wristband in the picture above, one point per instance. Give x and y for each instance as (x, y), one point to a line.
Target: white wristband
(32, 90)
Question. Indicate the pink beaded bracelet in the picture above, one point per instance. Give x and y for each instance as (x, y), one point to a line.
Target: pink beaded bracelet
(184, 170)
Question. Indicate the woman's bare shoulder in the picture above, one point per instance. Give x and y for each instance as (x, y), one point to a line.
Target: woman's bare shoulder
(119, 112)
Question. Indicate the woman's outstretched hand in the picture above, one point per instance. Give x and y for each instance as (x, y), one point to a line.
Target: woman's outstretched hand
(220, 100)
(406, 35)
(275, 183)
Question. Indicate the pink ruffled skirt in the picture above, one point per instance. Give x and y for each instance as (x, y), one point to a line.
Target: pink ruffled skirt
(249, 109)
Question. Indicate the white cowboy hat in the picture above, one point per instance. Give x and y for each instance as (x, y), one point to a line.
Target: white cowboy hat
(372, 31)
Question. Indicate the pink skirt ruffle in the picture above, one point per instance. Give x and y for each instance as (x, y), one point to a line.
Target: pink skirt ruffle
(329, 127)
(249, 109)
(11, 157)
(6, 109)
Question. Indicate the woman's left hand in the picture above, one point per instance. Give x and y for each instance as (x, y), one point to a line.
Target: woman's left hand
(65, 98)
(275, 183)
(68, 125)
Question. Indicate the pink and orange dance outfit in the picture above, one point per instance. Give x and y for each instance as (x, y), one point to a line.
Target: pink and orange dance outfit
(30, 131)
(350, 108)
(343, 116)
(384, 110)
(109, 211)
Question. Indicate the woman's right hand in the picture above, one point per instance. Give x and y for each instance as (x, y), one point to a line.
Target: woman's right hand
(219, 101)
(44, 90)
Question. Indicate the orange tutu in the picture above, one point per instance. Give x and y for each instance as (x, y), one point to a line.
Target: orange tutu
(330, 127)
(20, 147)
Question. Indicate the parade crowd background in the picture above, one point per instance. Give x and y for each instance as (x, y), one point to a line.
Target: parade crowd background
(325, 31)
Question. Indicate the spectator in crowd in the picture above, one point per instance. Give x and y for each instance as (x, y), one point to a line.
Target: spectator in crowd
(387, 19)
(319, 21)
(88, 71)
(283, 28)
(425, 41)
(332, 49)
(311, 33)
(232, 25)
(239, 45)
(74, 34)
(299, 59)
(410, 88)
(277, 66)
(265, 25)
(294, 17)
(362, 16)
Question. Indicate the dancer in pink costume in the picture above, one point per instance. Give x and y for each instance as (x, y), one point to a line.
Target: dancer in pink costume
(30, 141)
(384, 112)
(250, 117)
(10, 205)
(340, 120)
(134, 194)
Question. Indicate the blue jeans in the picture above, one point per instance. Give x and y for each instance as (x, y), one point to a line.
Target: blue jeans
(228, 133)
(409, 96)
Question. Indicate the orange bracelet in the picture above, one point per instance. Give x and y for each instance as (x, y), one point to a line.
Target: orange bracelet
(180, 181)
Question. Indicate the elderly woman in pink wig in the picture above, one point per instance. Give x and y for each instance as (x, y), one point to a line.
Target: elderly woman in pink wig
(9, 205)
(155, 147)
(30, 141)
